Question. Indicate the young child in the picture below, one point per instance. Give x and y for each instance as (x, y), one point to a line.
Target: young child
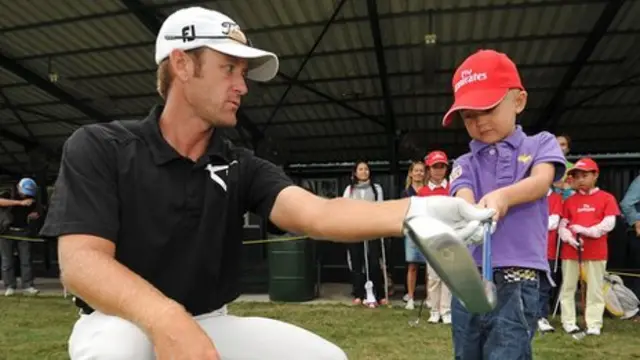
(547, 295)
(511, 172)
(587, 217)
(439, 297)
(412, 255)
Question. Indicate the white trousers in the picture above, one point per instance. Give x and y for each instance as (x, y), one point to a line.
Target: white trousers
(103, 337)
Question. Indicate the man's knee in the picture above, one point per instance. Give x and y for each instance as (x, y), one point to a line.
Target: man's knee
(98, 336)
(299, 343)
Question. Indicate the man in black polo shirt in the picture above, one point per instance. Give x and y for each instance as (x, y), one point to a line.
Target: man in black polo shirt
(149, 214)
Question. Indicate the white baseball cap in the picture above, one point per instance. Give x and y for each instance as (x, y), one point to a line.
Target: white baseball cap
(196, 27)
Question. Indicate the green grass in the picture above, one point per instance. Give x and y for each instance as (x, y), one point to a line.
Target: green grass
(38, 328)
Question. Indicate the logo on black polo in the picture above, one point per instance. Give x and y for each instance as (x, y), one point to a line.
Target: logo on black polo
(216, 170)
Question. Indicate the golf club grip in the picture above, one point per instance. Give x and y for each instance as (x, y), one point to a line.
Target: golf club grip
(487, 269)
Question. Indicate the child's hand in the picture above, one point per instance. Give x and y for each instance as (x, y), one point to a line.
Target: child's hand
(591, 232)
(495, 200)
(578, 229)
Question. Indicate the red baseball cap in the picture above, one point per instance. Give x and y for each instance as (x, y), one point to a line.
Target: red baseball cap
(481, 82)
(436, 157)
(584, 164)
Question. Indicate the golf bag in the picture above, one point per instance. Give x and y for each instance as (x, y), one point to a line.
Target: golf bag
(620, 301)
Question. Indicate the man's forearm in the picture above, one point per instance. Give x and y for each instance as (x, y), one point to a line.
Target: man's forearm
(111, 288)
(373, 219)
(629, 212)
(8, 202)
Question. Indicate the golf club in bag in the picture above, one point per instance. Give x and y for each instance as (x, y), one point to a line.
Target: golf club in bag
(450, 258)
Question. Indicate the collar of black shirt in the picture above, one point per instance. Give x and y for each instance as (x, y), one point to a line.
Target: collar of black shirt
(219, 146)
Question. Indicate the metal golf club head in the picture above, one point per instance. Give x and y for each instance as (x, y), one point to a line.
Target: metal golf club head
(451, 260)
(416, 321)
(579, 335)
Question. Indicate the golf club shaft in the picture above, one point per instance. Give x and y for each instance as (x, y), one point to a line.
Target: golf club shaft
(384, 271)
(555, 265)
(487, 270)
(582, 287)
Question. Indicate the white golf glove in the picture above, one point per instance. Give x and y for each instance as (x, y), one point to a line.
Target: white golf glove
(567, 237)
(463, 217)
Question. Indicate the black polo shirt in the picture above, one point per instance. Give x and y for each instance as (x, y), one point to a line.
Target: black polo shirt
(175, 222)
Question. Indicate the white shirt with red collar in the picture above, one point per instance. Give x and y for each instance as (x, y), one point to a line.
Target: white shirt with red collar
(590, 215)
(554, 201)
(432, 189)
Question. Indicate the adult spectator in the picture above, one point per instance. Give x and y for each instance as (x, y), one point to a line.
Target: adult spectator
(630, 206)
(563, 186)
(17, 211)
(363, 258)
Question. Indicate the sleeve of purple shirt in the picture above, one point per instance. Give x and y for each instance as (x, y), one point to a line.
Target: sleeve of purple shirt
(549, 152)
(461, 175)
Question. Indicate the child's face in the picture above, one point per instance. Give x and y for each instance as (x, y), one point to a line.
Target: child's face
(417, 172)
(493, 125)
(438, 172)
(584, 180)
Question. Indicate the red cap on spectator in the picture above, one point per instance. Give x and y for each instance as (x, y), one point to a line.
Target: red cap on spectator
(481, 82)
(436, 157)
(584, 164)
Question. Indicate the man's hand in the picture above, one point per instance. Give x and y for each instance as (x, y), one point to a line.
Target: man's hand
(465, 218)
(177, 336)
(26, 202)
(495, 200)
(33, 216)
(637, 227)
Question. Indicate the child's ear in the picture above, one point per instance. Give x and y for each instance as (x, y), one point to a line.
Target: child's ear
(521, 101)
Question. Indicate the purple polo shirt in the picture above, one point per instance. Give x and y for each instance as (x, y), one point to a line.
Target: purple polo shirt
(520, 238)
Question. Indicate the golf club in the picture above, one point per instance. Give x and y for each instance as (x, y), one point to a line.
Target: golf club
(416, 321)
(451, 260)
(579, 335)
(487, 267)
(384, 273)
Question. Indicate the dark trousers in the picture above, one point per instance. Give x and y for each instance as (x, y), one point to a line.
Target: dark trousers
(549, 294)
(358, 275)
(8, 272)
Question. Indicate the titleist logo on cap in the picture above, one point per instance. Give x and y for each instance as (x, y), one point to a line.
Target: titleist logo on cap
(467, 77)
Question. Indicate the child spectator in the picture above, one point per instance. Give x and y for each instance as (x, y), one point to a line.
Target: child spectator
(414, 182)
(439, 297)
(547, 295)
(588, 216)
